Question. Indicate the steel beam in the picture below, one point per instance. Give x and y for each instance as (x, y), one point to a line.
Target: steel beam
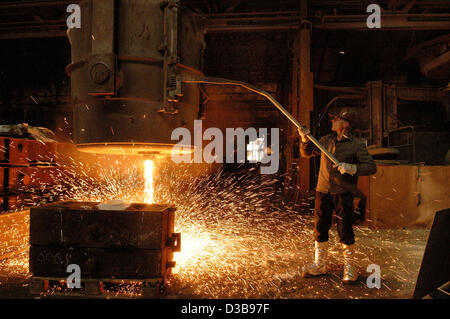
(436, 67)
(31, 4)
(394, 21)
(418, 93)
(375, 103)
(33, 34)
(306, 101)
(283, 21)
(249, 29)
(290, 21)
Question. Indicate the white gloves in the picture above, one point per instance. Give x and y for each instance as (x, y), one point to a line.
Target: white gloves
(346, 168)
(303, 132)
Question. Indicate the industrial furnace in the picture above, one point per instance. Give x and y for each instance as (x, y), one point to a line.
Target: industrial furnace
(125, 61)
(126, 57)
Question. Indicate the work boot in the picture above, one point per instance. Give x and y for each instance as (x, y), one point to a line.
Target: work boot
(350, 272)
(319, 266)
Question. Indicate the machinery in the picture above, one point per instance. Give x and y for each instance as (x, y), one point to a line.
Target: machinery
(127, 100)
(125, 61)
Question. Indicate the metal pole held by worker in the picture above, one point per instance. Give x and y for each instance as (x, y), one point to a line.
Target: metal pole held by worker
(221, 81)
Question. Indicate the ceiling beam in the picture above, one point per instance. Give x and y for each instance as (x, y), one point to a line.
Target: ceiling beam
(31, 4)
(249, 22)
(389, 21)
(32, 35)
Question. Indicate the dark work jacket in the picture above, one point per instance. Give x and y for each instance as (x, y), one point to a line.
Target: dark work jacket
(350, 150)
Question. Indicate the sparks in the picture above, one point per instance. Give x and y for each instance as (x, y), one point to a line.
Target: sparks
(239, 238)
(149, 167)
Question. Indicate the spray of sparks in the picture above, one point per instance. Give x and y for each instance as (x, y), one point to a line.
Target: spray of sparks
(240, 238)
(149, 168)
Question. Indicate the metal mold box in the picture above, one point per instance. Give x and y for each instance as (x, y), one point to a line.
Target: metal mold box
(134, 243)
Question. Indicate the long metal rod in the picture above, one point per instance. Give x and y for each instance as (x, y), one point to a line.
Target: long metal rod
(221, 81)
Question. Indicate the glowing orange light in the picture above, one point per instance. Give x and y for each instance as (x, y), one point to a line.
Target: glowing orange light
(196, 246)
(149, 167)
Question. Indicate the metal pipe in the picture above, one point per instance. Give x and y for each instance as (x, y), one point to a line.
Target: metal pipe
(221, 81)
(351, 90)
(252, 13)
(248, 28)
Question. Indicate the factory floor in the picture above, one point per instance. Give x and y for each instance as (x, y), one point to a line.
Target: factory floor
(267, 272)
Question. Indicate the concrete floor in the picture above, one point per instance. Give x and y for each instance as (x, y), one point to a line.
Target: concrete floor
(398, 253)
(275, 275)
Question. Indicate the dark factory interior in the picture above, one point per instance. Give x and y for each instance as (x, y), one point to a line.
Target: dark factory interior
(163, 149)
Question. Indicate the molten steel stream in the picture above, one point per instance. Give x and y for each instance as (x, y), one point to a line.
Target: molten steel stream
(149, 169)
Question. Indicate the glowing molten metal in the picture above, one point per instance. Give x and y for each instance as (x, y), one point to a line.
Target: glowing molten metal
(149, 167)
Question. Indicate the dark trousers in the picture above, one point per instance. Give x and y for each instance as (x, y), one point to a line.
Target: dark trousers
(342, 204)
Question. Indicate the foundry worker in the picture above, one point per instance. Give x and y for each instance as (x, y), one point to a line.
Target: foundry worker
(335, 190)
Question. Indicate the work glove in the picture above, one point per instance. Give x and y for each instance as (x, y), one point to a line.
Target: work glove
(346, 168)
(303, 132)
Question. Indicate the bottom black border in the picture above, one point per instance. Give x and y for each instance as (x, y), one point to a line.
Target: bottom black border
(275, 308)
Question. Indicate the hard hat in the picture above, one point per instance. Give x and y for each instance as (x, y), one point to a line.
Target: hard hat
(346, 114)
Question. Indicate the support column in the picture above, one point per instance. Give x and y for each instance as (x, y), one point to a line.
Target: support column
(306, 98)
(375, 103)
(390, 118)
(302, 91)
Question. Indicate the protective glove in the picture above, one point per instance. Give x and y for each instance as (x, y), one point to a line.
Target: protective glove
(303, 132)
(346, 168)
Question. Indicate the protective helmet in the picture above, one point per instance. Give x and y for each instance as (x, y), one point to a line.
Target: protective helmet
(346, 114)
